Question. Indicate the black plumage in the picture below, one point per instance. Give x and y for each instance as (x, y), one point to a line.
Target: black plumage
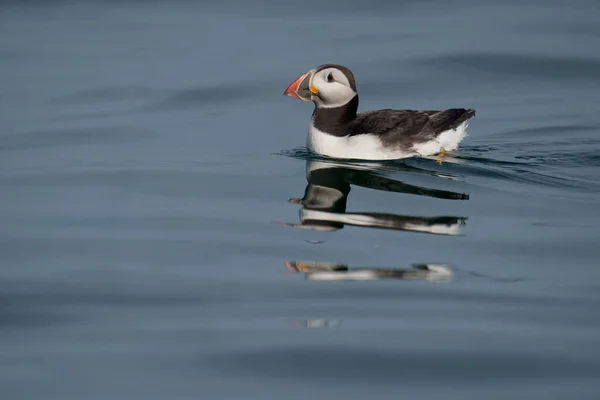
(393, 127)
(328, 189)
(408, 127)
(403, 128)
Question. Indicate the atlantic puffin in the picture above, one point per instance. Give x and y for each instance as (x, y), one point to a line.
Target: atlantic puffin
(326, 196)
(337, 130)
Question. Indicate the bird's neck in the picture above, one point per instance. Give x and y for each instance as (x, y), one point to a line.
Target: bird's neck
(335, 120)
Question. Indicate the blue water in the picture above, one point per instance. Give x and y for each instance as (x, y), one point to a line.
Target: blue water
(153, 187)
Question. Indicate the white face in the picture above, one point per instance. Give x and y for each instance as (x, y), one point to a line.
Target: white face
(333, 87)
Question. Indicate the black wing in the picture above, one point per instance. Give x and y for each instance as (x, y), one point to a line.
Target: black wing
(407, 127)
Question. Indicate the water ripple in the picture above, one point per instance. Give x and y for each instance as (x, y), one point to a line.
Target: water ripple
(472, 162)
(73, 136)
(523, 65)
(391, 365)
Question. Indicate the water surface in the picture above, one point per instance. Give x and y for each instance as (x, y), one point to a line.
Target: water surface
(165, 234)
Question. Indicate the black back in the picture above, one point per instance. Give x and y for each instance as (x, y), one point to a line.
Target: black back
(407, 127)
(394, 127)
(403, 128)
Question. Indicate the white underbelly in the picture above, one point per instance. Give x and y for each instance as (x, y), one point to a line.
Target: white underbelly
(447, 140)
(370, 147)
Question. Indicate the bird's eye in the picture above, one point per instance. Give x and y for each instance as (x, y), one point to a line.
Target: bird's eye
(330, 77)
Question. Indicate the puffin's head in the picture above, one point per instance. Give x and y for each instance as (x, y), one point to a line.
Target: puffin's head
(328, 86)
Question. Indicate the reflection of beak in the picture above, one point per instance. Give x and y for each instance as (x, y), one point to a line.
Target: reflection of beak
(300, 88)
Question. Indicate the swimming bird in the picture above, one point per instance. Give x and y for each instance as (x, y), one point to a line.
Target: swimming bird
(326, 197)
(337, 130)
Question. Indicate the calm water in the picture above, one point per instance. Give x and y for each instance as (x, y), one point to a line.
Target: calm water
(154, 188)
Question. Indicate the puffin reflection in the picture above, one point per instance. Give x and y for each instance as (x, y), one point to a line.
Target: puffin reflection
(316, 323)
(326, 195)
(326, 271)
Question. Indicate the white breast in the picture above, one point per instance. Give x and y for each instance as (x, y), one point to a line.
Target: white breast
(363, 147)
(369, 147)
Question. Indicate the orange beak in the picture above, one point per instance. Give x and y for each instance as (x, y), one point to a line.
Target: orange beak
(300, 87)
